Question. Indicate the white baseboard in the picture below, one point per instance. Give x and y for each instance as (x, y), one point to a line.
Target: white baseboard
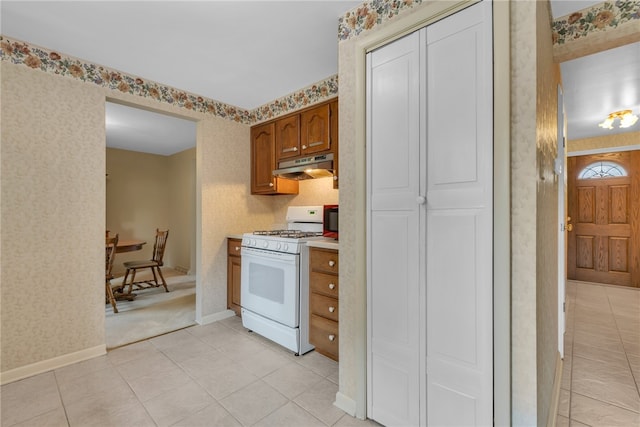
(345, 403)
(215, 317)
(51, 364)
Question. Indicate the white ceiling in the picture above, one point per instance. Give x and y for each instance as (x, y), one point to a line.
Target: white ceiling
(248, 53)
(598, 84)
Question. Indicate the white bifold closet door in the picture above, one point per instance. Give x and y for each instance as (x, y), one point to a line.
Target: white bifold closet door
(430, 216)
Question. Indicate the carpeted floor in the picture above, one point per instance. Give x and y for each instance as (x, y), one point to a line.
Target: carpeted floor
(153, 312)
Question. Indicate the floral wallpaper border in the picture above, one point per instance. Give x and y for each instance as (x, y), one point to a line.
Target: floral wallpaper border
(22, 53)
(370, 14)
(601, 17)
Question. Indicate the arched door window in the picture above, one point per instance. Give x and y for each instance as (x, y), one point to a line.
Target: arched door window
(602, 169)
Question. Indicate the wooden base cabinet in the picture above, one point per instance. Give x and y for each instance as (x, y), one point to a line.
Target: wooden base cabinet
(234, 264)
(324, 310)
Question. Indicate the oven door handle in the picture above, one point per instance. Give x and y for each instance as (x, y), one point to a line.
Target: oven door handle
(276, 256)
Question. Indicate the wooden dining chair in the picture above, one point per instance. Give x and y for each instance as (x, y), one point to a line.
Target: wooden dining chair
(154, 264)
(110, 246)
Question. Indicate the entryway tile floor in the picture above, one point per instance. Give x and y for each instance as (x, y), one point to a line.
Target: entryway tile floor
(601, 370)
(213, 375)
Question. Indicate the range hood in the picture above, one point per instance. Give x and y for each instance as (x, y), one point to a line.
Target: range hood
(306, 168)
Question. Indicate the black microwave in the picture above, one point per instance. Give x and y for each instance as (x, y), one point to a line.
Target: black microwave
(330, 221)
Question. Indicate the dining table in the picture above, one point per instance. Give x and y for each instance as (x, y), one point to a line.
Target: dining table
(129, 245)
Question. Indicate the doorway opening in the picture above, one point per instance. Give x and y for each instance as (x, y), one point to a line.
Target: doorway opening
(151, 184)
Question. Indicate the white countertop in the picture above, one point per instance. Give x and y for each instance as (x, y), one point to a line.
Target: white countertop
(325, 244)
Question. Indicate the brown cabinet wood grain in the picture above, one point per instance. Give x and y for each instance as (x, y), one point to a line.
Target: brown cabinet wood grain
(288, 137)
(234, 266)
(324, 309)
(323, 334)
(324, 284)
(263, 162)
(308, 132)
(315, 134)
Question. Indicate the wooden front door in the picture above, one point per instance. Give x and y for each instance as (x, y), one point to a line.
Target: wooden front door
(604, 210)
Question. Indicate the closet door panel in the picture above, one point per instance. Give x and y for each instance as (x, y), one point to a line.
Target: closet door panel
(393, 262)
(394, 124)
(394, 328)
(459, 219)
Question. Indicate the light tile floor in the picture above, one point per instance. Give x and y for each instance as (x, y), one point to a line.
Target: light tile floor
(221, 375)
(601, 372)
(213, 375)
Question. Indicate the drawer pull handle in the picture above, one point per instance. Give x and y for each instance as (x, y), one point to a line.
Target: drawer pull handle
(332, 286)
(332, 309)
(332, 337)
(332, 263)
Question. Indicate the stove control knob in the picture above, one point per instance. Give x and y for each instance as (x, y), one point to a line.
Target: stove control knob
(286, 247)
(253, 242)
(279, 245)
(265, 245)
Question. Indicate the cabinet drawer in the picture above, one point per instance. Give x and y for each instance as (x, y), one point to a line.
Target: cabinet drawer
(324, 306)
(323, 334)
(323, 283)
(323, 260)
(234, 247)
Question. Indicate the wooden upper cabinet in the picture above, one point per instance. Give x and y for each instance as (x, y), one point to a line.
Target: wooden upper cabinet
(288, 137)
(263, 161)
(315, 136)
(309, 132)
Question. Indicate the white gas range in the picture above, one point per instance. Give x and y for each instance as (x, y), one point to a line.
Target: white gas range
(275, 279)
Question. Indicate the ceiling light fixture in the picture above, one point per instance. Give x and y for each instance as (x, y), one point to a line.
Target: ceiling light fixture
(627, 119)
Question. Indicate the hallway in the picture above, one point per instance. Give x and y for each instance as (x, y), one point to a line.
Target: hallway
(601, 369)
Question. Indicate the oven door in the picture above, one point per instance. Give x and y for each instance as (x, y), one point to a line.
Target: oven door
(269, 285)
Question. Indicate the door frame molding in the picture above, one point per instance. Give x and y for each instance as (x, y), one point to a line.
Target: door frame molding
(432, 12)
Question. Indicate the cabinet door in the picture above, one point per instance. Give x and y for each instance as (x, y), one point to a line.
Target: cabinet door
(315, 125)
(234, 266)
(334, 143)
(263, 158)
(263, 162)
(288, 137)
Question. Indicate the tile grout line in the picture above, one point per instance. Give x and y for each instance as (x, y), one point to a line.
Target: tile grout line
(64, 407)
(626, 355)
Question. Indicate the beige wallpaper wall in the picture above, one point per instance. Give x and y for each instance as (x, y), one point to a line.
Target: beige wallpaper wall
(524, 179)
(548, 79)
(312, 192)
(609, 141)
(181, 253)
(52, 185)
(53, 212)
